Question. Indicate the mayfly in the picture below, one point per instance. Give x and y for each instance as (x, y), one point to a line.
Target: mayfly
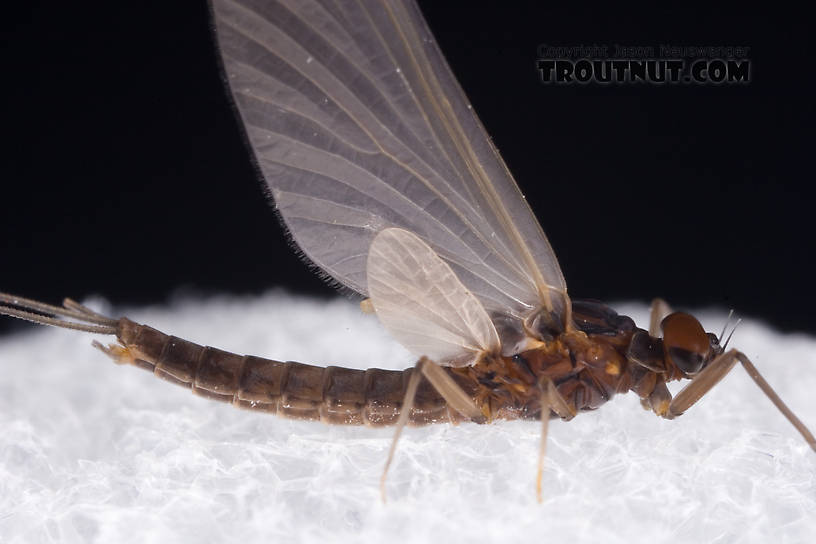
(387, 181)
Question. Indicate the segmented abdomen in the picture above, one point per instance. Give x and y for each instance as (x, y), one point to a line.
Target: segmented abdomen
(331, 394)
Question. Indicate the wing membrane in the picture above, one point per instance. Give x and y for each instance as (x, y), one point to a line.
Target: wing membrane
(358, 125)
(423, 304)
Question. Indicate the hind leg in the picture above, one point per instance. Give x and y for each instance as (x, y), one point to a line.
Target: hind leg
(551, 400)
(446, 387)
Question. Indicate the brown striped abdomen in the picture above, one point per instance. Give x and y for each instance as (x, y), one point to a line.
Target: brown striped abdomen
(331, 394)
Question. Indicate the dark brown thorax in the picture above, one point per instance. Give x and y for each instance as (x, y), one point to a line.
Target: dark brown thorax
(603, 355)
(588, 365)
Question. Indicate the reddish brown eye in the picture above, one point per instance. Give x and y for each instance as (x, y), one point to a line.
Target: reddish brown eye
(685, 342)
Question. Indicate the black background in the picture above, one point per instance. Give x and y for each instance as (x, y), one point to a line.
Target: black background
(123, 173)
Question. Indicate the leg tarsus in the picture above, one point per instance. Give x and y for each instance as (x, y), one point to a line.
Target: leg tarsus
(771, 394)
(402, 420)
(551, 399)
(542, 452)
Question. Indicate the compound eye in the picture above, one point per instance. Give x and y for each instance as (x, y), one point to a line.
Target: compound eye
(687, 361)
(685, 342)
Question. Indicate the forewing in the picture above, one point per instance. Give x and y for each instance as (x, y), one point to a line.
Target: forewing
(358, 125)
(422, 303)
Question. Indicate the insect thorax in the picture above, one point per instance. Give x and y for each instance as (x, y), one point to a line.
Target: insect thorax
(587, 365)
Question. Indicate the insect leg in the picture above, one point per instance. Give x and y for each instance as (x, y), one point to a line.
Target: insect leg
(551, 399)
(714, 372)
(367, 307)
(446, 387)
(660, 309)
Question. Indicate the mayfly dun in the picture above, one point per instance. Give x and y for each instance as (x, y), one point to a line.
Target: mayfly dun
(386, 180)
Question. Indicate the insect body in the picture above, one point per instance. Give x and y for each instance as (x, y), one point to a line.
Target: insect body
(588, 365)
(387, 181)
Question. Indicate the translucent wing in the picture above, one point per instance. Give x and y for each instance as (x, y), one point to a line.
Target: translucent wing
(358, 125)
(422, 303)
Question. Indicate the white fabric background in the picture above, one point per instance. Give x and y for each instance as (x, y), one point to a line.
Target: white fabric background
(94, 452)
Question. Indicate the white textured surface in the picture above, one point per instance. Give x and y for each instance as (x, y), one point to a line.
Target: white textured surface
(94, 452)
